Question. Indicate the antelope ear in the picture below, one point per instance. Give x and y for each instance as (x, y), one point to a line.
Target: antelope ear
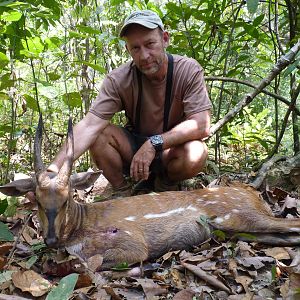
(18, 187)
(81, 181)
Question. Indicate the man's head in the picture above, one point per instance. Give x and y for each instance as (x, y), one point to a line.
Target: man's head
(146, 42)
(145, 18)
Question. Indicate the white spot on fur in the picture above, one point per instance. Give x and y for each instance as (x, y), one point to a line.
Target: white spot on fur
(218, 220)
(295, 229)
(227, 217)
(211, 202)
(235, 210)
(128, 232)
(130, 218)
(200, 200)
(191, 207)
(165, 214)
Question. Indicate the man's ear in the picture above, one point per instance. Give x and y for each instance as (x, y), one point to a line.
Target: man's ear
(81, 181)
(18, 187)
(166, 39)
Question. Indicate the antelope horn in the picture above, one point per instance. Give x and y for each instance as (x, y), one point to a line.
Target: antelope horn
(39, 167)
(66, 169)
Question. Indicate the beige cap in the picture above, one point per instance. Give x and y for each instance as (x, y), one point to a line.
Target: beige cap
(146, 18)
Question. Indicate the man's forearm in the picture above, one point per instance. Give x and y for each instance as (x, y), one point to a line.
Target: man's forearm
(85, 133)
(190, 129)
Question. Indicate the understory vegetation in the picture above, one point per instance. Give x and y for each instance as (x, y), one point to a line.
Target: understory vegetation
(54, 55)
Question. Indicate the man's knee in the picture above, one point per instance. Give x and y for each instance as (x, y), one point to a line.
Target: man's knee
(187, 160)
(196, 156)
(103, 139)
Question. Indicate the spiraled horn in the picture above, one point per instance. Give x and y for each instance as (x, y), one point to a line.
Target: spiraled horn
(66, 169)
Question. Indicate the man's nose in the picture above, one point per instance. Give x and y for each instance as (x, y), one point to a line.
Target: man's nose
(144, 53)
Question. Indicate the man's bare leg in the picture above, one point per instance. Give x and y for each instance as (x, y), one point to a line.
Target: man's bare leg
(185, 161)
(110, 152)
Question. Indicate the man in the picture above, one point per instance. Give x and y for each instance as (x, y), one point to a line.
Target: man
(162, 142)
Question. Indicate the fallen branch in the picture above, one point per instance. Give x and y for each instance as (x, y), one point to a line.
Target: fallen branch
(261, 175)
(206, 277)
(247, 83)
(281, 64)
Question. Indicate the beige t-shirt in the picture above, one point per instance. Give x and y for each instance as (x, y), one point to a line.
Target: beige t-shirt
(119, 92)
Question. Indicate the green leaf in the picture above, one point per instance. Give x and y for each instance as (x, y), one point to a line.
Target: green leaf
(72, 99)
(3, 60)
(31, 102)
(31, 261)
(258, 20)
(11, 16)
(220, 234)
(116, 2)
(3, 96)
(244, 236)
(32, 47)
(89, 30)
(74, 34)
(64, 289)
(252, 6)
(5, 3)
(6, 276)
(3, 206)
(5, 233)
(95, 67)
(53, 76)
(121, 266)
(48, 91)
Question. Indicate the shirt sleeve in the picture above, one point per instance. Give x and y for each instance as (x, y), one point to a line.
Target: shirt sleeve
(195, 98)
(108, 100)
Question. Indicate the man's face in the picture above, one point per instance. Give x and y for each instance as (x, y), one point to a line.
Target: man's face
(147, 48)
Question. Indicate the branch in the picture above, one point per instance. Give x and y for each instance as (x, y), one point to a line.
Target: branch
(281, 64)
(274, 95)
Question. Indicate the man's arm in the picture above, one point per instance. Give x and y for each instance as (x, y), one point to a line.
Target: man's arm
(195, 127)
(85, 133)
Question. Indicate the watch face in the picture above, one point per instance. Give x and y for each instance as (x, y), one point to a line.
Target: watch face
(157, 142)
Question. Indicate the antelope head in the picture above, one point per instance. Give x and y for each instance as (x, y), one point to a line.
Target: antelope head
(53, 191)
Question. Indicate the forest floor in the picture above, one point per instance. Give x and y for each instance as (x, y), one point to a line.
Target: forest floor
(220, 268)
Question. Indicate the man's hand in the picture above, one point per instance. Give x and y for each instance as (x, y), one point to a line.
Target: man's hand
(139, 168)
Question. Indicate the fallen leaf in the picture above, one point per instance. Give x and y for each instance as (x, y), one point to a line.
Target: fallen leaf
(277, 252)
(94, 263)
(32, 282)
(184, 295)
(257, 262)
(151, 288)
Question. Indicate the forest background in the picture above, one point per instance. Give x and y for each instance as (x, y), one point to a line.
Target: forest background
(55, 54)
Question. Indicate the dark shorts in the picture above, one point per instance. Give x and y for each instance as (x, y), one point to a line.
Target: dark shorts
(136, 141)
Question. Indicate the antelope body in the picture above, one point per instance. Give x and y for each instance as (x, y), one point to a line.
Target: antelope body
(138, 228)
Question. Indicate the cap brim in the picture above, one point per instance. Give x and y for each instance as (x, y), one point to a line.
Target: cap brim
(146, 24)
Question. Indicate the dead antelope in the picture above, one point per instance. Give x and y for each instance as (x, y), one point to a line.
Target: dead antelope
(142, 227)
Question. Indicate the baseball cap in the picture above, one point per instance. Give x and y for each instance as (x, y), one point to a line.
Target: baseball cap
(146, 18)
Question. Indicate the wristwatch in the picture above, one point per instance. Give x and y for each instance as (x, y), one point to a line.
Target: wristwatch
(157, 142)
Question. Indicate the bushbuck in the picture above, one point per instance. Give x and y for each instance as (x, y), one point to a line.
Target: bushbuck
(142, 227)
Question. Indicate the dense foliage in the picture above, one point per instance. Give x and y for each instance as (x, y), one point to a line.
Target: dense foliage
(54, 54)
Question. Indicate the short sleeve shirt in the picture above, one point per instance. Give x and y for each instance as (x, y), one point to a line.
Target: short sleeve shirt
(119, 91)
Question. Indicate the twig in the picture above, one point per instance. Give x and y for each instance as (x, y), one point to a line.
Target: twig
(206, 277)
(11, 254)
(262, 173)
(281, 64)
(247, 83)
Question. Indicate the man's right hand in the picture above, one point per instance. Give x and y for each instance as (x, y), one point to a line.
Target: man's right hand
(139, 168)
